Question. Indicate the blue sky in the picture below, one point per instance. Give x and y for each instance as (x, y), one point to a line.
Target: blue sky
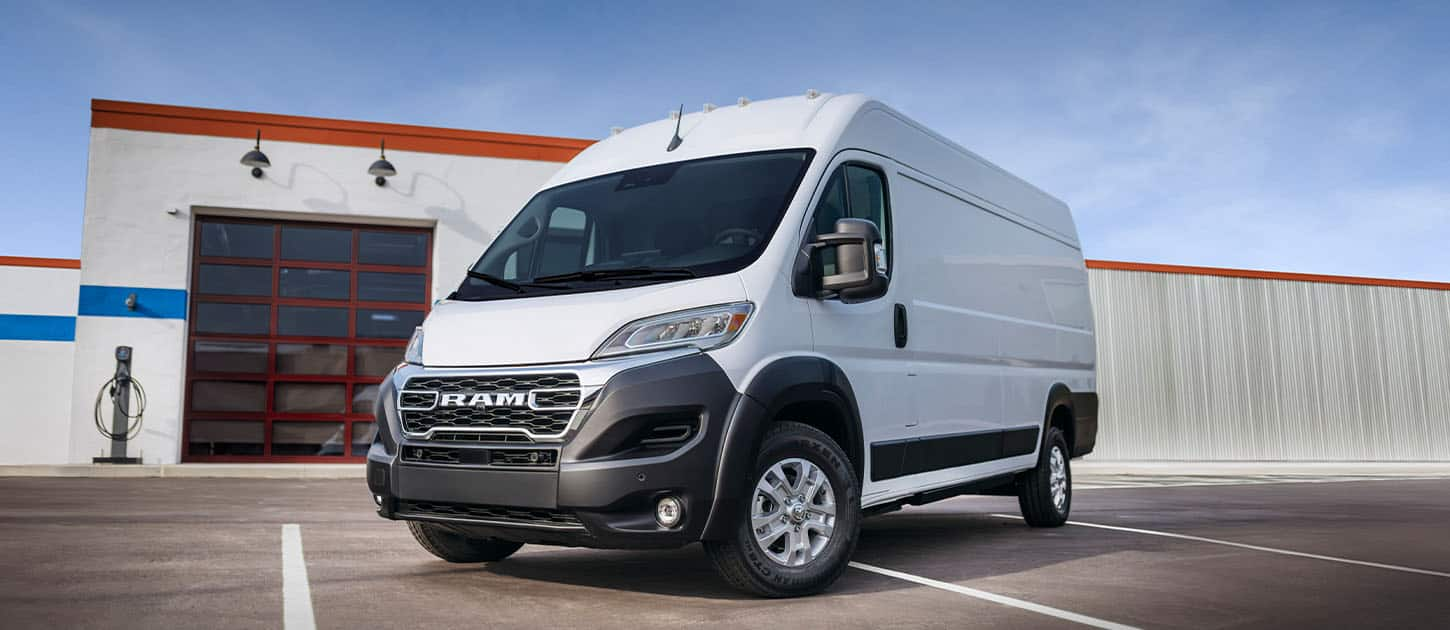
(1302, 137)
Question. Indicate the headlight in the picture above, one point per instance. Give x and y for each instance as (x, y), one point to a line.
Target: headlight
(414, 353)
(703, 328)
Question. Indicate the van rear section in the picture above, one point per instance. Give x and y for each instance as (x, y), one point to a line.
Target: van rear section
(749, 327)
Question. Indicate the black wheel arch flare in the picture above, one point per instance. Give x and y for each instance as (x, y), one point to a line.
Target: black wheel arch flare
(1082, 411)
(780, 384)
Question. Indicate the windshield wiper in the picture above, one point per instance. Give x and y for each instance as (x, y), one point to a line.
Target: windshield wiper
(624, 272)
(516, 287)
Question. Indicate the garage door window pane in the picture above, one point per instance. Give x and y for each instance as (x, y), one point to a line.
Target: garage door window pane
(320, 284)
(321, 244)
(311, 321)
(225, 437)
(234, 280)
(229, 396)
(307, 438)
(376, 360)
(362, 436)
(230, 356)
(233, 319)
(236, 240)
(309, 397)
(403, 249)
(311, 358)
(363, 397)
(391, 287)
(387, 324)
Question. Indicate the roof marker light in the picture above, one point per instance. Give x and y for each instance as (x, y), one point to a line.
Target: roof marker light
(742, 101)
(614, 131)
(812, 93)
(709, 107)
(675, 115)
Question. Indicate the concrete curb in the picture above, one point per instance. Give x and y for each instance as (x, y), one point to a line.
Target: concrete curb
(193, 471)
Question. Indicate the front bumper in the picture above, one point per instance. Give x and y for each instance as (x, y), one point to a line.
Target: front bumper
(606, 474)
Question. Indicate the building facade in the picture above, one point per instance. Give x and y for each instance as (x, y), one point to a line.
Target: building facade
(263, 310)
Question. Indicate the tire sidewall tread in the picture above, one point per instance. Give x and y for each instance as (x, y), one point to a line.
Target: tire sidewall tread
(1034, 489)
(741, 561)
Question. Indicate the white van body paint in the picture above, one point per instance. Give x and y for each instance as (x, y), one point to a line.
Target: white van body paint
(988, 266)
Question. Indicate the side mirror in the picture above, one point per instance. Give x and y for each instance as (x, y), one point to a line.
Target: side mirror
(861, 272)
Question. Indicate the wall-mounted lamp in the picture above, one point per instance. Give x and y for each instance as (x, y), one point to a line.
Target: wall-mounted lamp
(382, 169)
(255, 158)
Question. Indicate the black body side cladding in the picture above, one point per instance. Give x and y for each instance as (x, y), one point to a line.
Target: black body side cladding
(899, 458)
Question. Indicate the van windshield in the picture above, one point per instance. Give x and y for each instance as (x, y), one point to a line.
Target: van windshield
(653, 224)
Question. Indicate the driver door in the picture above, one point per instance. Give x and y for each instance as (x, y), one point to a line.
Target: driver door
(861, 337)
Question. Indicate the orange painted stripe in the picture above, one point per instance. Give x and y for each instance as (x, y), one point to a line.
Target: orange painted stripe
(347, 133)
(1266, 275)
(28, 261)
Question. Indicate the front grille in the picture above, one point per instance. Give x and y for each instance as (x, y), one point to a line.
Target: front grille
(556, 519)
(554, 398)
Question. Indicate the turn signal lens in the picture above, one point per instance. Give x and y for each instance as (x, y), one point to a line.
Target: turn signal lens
(703, 328)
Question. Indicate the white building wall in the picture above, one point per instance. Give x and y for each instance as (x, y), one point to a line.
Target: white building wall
(132, 241)
(36, 384)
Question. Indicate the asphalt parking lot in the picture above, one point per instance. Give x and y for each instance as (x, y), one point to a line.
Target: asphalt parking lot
(1231, 552)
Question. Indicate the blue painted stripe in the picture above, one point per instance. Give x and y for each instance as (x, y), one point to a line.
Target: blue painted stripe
(37, 327)
(103, 301)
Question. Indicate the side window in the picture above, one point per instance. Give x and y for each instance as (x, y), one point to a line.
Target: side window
(857, 192)
(867, 194)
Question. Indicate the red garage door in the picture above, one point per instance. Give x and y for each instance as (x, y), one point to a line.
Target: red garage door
(292, 326)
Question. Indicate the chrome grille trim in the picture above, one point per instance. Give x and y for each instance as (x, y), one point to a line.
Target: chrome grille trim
(592, 376)
(420, 418)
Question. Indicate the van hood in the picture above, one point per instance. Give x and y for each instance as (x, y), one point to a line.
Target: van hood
(556, 328)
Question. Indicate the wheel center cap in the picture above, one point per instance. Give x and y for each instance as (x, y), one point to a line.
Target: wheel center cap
(798, 511)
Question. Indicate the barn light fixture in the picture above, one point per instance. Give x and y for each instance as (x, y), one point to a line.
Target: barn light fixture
(382, 169)
(255, 158)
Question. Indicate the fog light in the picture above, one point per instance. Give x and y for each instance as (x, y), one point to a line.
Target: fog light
(669, 511)
(378, 499)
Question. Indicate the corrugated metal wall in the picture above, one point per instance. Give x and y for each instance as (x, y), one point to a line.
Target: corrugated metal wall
(1195, 367)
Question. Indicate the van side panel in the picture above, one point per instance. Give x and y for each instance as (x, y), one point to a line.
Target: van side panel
(999, 309)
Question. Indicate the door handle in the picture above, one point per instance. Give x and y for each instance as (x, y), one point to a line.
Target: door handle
(899, 316)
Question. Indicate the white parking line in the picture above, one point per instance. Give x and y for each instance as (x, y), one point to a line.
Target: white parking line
(1118, 482)
(296, 594)
(995, 598)
(1228, 543)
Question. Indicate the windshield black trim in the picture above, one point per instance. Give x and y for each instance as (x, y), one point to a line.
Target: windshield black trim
(623, 282)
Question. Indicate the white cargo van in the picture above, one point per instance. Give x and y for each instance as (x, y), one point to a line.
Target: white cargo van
(750, 327)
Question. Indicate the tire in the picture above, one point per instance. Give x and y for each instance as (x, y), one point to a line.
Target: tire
(791, 453)
(1041, 507)
(455, 547)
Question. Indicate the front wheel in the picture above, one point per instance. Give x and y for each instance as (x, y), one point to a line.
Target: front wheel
(1045, 492)
(799, 530)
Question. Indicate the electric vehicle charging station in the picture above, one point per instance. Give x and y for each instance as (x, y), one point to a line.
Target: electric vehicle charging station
(124, 425)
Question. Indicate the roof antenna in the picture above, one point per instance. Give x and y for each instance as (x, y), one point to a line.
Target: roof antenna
(677, 140)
